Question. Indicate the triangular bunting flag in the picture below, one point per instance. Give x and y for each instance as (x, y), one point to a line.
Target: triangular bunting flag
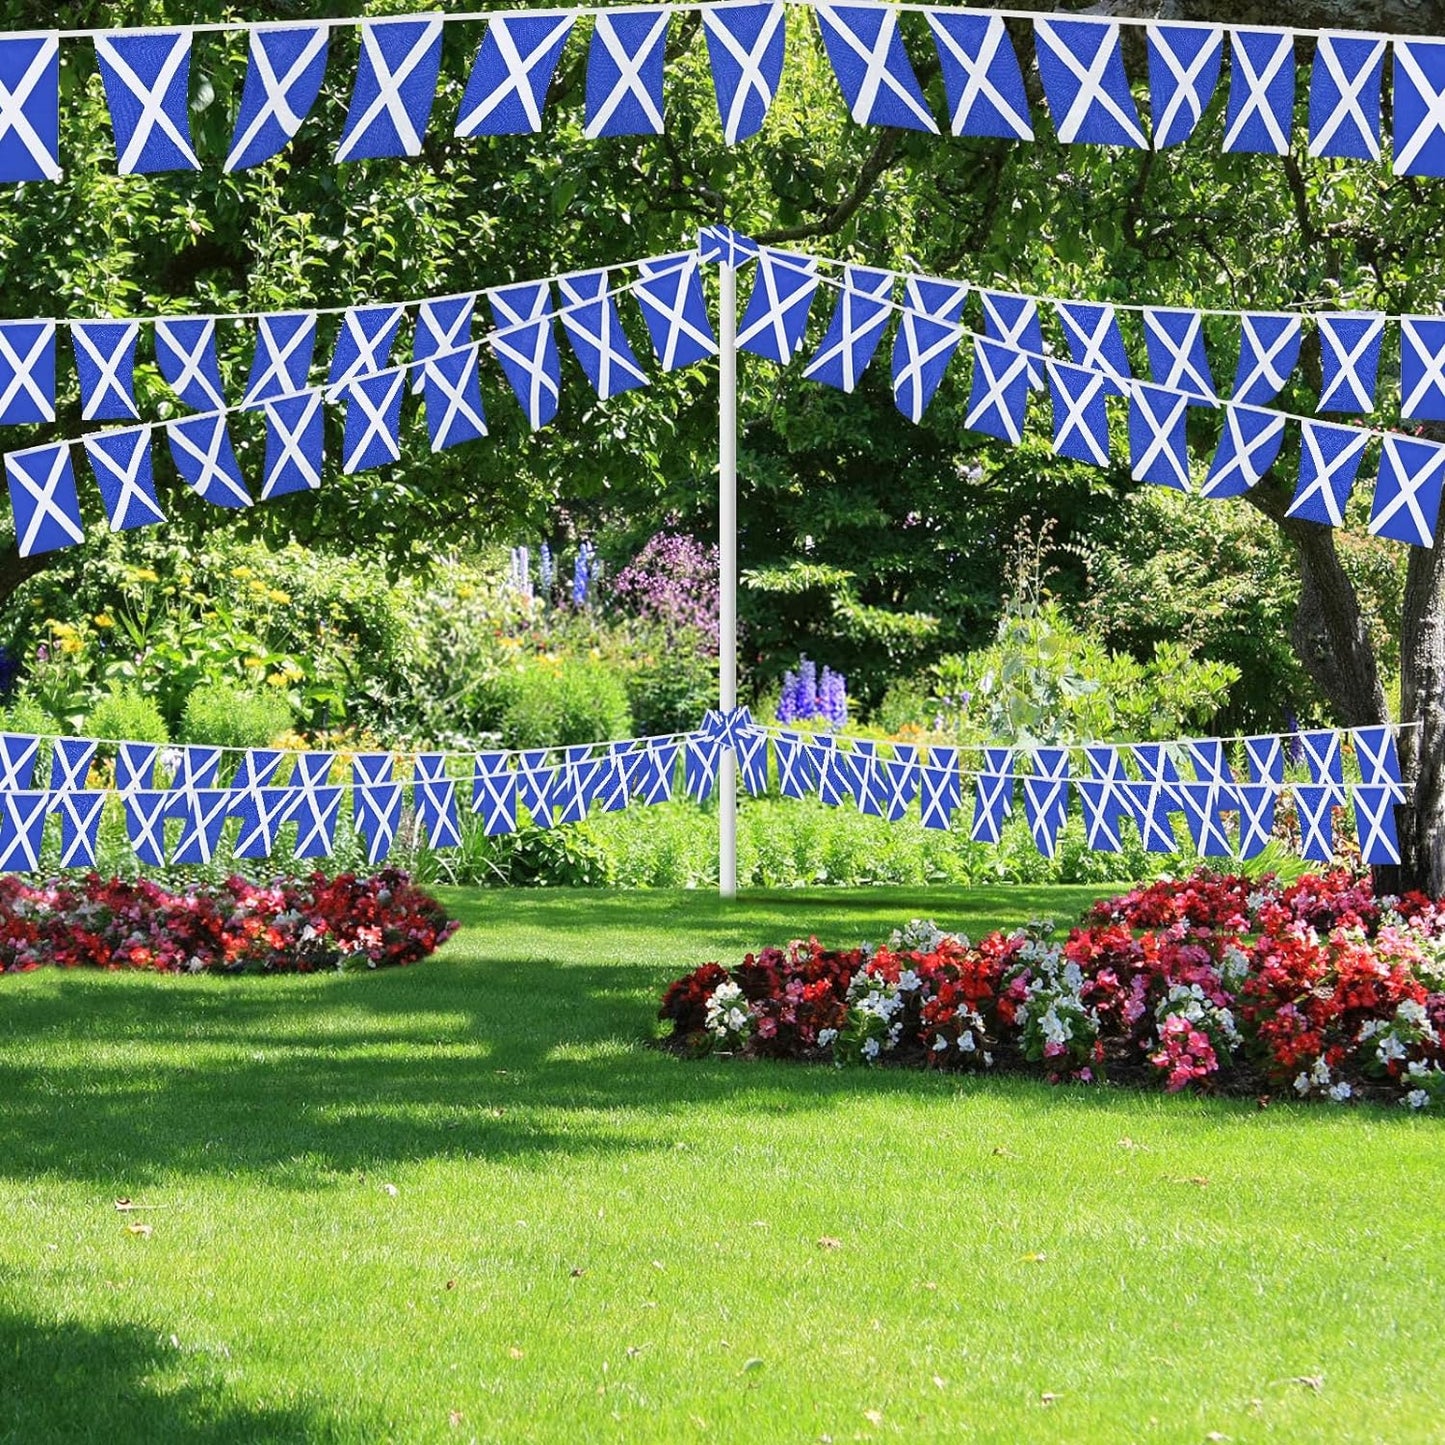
(1183, 72)
(700, 761)
(434, 795)
(1046, 798)
(513, 70)
(526, 346)
(1324, 758)
(295, 439)
(594, 329)
(1345, 97)
(872, 68)
(44, 499)
(856, 328)
(1330, 457)
(135, 766)
(258, 767)
(1248, 445)
(147, 76)
(19, 752)
(202, 451)
(203, 817)
(1264, 757)
(981, 75)
(777, 311)
(1082, 69)
(745, 46)
(494, 796)
(443, 326)
(283, 79)
(796, 779)
(105, 362)
(928, 335)
(30, 108)
(121, 462)
(1204, 805)
(1261, 92)
(263, 812)
(71, 760)
(395, 87)
(1407, 493)
(669, 294)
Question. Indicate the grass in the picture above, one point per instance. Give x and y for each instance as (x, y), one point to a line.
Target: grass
(465, 1202)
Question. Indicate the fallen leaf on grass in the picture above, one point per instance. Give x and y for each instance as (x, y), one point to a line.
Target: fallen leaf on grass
(658, 1264)
(940, 1382)
(826, 1241)
(141, 1231)
(515, 1353)
(1047, 1398)
(1037, 1258)
(578, 1272)
(455, 1418)
(1216, 1435)
(451, 1284)
(873, 1417)
(391, 1189)
(1310, 1382)
(929, 1284)
(750, 1365)
(1003, 1153)
(633, 1351)
(129, 1206)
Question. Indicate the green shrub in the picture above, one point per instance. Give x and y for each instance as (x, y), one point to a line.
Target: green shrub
(555, 703)
(672, 683)
(233, 717)
(26, 715)
(127, 715)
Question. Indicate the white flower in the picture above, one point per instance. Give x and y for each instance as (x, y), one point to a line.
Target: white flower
(1341, 1092)
(1073, 976)
(1320, 1074)
(1302, 1084)
(1390, 1047)
(870, 1049)
(966, 1043)
(987, 1059)
(1234, 965)
(1417, 1068)
(909, 981)
(1417, 1099)
(1411, 1012)
(826, 1037)
(940, 1044)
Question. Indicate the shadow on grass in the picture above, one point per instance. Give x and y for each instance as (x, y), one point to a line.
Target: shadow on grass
(307, 1081)
(66, 1381)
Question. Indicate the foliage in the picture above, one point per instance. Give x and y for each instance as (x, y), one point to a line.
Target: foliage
(236, 927)
(1232, 983)
(233, 717)
(559, 701)
(672, 583)
(127, 715)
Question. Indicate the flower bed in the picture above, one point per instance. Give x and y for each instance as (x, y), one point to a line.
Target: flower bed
(294, 926)
(1216, 982)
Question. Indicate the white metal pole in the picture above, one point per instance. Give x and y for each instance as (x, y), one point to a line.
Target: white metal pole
(727, 611)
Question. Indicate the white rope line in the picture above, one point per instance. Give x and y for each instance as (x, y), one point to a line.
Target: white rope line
(225, 27)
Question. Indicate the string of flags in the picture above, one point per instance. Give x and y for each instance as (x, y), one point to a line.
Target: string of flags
(1079, 59)
(1011, 360)
(177, 805)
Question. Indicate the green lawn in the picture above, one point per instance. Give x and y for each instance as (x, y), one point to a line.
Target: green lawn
(464, 1201)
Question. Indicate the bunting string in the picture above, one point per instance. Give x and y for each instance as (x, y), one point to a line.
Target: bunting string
(1087, 92)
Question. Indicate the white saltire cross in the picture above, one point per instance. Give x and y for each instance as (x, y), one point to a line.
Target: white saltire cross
(14, 119)
(1020, 330)
(186, 355)
(452, 389)
(109, 347)
(526, 78)
(1426, 398)
(991, 385)
(784, 284)
(949, 32)
(24, 827)
(1157, 413)
(750, 58)
(145, 813)
(1257, 77)
(42, 473)
(1092, 389)
(525, 339)
(1348, 343)
(1348, 109)
(1091, 91)
(1407, 468)
(1189, 94)
(390, 79)
(376, 398)
(125, 481)
(1430, 130)
(917, 319)
(1269, 345)
(291, 438)
(1321, 481)
(1375, 824)
(590, 319)
(1177, 336)
(855, 329)
(284, 342)
(1243, 456)
(630, 84)
(203, 455)
(664, 289)
(276, 91)
(877, 75)
(204, 816)
(153, 97)
(39, 337)
(80, 811)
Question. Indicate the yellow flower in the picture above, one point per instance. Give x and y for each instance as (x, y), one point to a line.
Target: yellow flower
(276, 679)
(253, 662)
(71, 644)
(276, 595)
(143, 574)
(104, 619)
(241, 572)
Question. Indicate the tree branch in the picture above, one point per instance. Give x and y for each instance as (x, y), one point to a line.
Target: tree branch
(884, 153)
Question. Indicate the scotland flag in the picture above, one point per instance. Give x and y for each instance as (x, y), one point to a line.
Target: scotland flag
(1183, 72)
(1248, 446)
(80, 814)
(1158, 449)
(624, 73)
(1046, 798)
(1375, 824)
(999, 400)
(777, 311)
(1330, 457)
(513, 70)
(855, 329)
(1013, 321)
(44, 499)
(147, 76)
(1316, 807)
(1177, 359)
(1095, 341)
(281, 363)
(71, 761)
(494, 796)
(1257, 803)
(186, 355)
(1269, 346)
(1264, 758)
(364, 344)
(590, 319)
(745, 50)
(295, 438)
(202, 451)
(1345, 97)
(443, 325)
(1350, 356)
(283, 79)
(867, 55)
(928, 335)
(372, 433)
(1422, 368)
(121, 462)
(19, 752)
(1419, 103)
(1261, 92)
(30, 108)
(669, 294)
(145, 825)
(27, 367)
(981, 75)
(1379, 762)
(203, 817)
(526, 346)
(1324, 759)
(105, 362)
(1081, 420)
(1082, 69)
(452, 391)
(395, 87)
(1407, 494)
(434, 796)
(993, 796)
(22, 829)
(940, 788)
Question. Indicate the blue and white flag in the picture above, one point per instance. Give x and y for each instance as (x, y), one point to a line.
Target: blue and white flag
(1350, 357)
(494, 797)
(899, 781)
(27, 368)
(315, 806)
(534, 785)
(512, 73)
(135, 766)
(1013, 321)
(1101, 820)
(1095, 341)
(22, 830)
(777, 311)
(395, 86)
(795, 779)
(1264, 758)
(669, 294)
(1407, 492)
(1419, 106)
(377, 810)
(624, 73)
(452, 391)
(1156, 765)
(80, 814)
(442, 327)
(1209, 761)
(295, 440)
(1158, 447)
(700, 760)
(30, 108)
(145, 825)
(1375, 824)
(197, 767)
(1330, 457)
(371, 436)
(19, 752)
(1269, 346)
(1248, 445)
(993, 795)
(860, 767)
(1204, 807)
(281, 363)
(1177, 359)
(71, 759)
(981, 75)
(262, 813)
(1081, 420)
(720, 245)
(867, 55)
(526, 346)
(940, 788)
(590, 320)
(202, 451)
(364, 344)
(434, 796)
(1183, 72)
(283, 79)
(1261, 92)
(1422, 368)
(1345, 97)
(856, 328)
(259, 766)
(203, 817)
(1257, 803)
(752, 751)
(1150, 804)
(44, 499)
(998, 401)
(928, 335)
(1378, 759)
(834, 775)
(745, 45)
(609, 784)
(1316, 807)
(105, 362)
(186, 356)
(147, 76)
(1046, 798)
(1082, 69)
(655, 777)
(121, 462)
(1325, 759)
